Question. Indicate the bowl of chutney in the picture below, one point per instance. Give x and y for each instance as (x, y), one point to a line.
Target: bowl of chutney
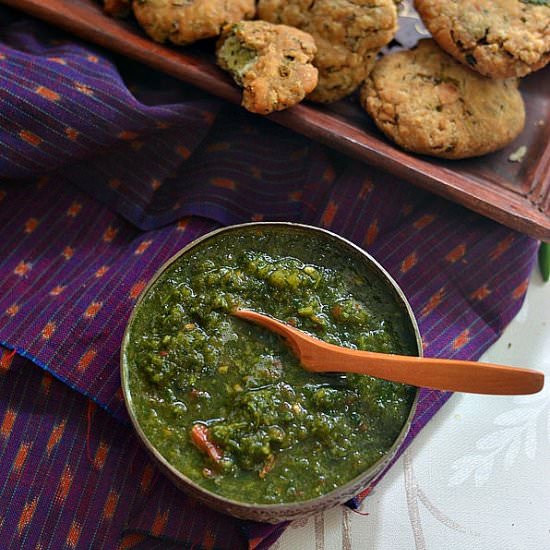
(224, 407)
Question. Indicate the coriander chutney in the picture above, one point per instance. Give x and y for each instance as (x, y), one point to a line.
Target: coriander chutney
(227, 404)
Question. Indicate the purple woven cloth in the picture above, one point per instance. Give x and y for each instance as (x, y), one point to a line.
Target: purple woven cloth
(106, 170)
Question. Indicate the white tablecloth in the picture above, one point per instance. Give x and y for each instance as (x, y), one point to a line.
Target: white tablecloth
(476, 478)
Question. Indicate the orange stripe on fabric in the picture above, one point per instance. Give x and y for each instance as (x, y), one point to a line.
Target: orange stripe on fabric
(366, 188)
(92, 309)
(48, 330)
(12, 310)
(520, 290)
(110, 234)
(119, 395)
(372, 233)
(64, 485)
(101, 271)
(85, 360)
(48, 94)
(501, 247)
(143, 246)
(424, 221)
(110, 505)
(182, 224)
(6, 361)
(71, 133)
(208, 540)
(83, 88)
(329, 213)
(55, 436)
(224, 183)
(57, 290)
(30, 138)
(433, 302)
(329, 174)
(183, 151)
(159, 523)
(26, 515)
(295, 196)
(21, 457)
(409, 262)
(254, 543)
(74, 534)
(136, 289)
(30, 225)
(131, 540)
(101, 455)
(127, 135)
(480, 293)
(74, 209)
(146, 477)
(462, 339)
(456, 253)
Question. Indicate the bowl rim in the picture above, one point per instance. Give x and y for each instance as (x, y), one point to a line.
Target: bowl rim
(242, 507)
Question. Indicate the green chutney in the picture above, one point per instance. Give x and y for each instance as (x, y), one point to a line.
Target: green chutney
(227, 403)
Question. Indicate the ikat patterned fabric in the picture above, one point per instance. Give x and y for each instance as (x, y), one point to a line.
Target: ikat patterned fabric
(106, 170)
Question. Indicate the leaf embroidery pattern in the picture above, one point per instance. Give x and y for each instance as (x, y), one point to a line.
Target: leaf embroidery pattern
(416, 496)
(516, 433)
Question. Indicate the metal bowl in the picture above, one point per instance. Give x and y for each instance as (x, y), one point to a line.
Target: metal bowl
(273, 513)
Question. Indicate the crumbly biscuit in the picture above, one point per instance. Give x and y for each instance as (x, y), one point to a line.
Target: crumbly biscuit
(428, 103)
(117, 8)
(497, 38)
(348, 35)
(271, 62)
(186, 21)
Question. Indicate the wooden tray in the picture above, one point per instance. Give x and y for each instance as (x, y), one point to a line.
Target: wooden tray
(514, 194)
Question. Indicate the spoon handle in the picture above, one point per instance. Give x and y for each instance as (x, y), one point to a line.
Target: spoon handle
(442, 374)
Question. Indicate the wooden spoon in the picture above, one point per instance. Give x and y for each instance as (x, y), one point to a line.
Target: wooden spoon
(442, 374)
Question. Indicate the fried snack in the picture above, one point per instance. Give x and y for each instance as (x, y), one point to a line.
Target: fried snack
(186, 21)
(116, 8)
(272, 63)
(348, 35)
(497, 38)
(428, 103)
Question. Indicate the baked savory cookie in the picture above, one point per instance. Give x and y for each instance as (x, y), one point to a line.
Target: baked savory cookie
(348, 35)
(272, 63)
(497, 38)
(186, 21)
(428, 103)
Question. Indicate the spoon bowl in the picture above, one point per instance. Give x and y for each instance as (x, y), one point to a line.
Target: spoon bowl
(441, 374)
